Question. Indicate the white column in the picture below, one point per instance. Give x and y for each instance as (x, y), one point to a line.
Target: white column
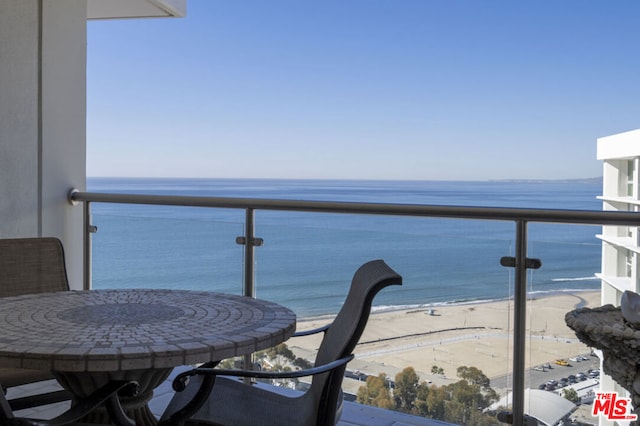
(43, 121)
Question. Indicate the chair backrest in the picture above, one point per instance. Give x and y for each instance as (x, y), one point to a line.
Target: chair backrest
(31, 265)
(345, 331)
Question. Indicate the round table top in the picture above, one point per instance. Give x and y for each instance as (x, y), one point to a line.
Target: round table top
(115, 330)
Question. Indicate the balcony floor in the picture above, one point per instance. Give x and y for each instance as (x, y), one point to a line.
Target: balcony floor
(352, 415)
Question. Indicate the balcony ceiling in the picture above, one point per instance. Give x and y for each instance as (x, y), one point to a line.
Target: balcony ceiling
(115, 9)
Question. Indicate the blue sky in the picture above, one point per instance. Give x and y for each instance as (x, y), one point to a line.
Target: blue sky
(363, 89)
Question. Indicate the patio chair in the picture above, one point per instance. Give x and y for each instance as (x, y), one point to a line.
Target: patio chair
(31, 265)
(204, 397)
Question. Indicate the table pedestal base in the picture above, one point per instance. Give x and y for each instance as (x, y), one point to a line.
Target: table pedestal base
(83, 384)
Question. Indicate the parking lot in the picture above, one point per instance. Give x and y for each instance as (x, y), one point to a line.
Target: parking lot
(535, 377)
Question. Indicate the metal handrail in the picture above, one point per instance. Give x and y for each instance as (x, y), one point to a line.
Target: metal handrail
(584, 217)
(520, 216)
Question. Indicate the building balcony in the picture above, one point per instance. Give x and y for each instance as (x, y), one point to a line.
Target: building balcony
(465, 311)
(354, 414)
(619, 199)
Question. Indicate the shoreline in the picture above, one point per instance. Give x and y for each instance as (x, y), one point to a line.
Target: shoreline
(409, 308)
(478, 334)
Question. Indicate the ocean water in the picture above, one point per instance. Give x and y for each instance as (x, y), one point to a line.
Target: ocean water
(308, 259)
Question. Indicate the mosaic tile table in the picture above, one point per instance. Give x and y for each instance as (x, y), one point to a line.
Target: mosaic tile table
(90, 337)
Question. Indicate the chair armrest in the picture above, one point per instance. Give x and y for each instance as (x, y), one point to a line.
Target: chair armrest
(323, 329)
(107, 394)
(182, 379)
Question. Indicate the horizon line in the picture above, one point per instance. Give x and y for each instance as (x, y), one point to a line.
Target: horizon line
(593, 178)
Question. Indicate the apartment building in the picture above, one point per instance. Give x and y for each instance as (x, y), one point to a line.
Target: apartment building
(620, 155)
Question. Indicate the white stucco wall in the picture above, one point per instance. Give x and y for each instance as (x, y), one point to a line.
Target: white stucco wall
(19, 118)
(64, 36)
(43, 121)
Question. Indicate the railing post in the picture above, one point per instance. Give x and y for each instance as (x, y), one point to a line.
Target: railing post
(250, 242)
(519, 323)
(87, 230)
(521, 263)
(249, 254)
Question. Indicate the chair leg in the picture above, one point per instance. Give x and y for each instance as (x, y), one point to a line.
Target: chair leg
(190, 408)
(5, 410)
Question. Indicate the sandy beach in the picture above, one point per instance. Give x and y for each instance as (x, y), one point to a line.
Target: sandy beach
(479, 335)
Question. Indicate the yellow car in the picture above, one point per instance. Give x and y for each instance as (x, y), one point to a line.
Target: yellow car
(562, 362)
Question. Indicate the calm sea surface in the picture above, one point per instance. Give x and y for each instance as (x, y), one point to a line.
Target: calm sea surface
(308, 259)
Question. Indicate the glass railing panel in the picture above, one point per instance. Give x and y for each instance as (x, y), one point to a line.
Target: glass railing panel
(167, 247)
(557, 361)
(453, 309)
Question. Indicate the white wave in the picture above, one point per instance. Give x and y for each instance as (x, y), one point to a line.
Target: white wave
(591, 278)
(385, 308)
(460, 302)
(561, 291)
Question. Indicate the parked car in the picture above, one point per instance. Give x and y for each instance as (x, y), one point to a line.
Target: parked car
(562, 362)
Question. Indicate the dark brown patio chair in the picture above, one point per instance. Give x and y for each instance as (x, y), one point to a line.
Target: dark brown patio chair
(205, 397)
(31, 265)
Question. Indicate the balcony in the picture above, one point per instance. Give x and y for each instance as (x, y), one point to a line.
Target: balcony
(508, 331)
(353, 415)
